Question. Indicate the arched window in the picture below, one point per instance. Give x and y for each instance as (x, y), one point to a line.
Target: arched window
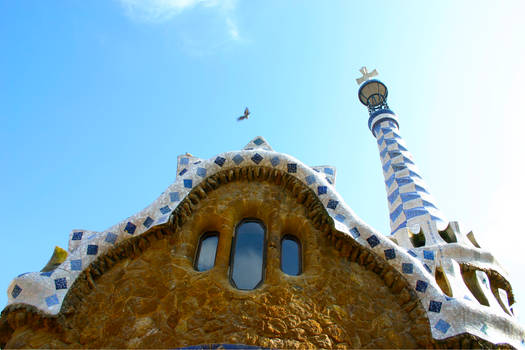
(248, 255)
(206, 251)
(291, 255)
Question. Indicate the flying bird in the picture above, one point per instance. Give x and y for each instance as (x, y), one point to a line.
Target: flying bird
(245, 115)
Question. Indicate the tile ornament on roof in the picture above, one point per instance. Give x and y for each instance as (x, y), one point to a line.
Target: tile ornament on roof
(47, 292)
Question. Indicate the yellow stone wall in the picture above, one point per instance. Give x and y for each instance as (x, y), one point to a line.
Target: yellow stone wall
(156, 299)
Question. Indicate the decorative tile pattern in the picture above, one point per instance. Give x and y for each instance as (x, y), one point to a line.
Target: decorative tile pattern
(76, 265)
(77, 236)
(407, 268)
(52, 300)
(201, 172)
(188, 183)
(238, 159)
(165, 209)
(147, 223)
(183, 171)
(220, 161)
(16, 291)
(428, 254)
(332, 204)
(174, 197)
(390, 254)
(47, 274)
(355, 232)
(373, 241)
(442, 326)
(292, 167)
(310, 179)
(60, 283)
(257, 158)
(340, 218)
(435, 306)
(130, 228)
(92, 249)
(275, 161)
(321, 190)
(111, 238)
(421, 286)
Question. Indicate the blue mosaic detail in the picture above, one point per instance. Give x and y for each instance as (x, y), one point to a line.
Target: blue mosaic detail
(373, 241)
(380, 141)
(412, 213)
(147, 223)
(329, 181)
(407, 160)
(16, 291)
(275, 161)
(76, 265)
(77, 236)
(183, 171)
(413, 173)
(420, 189)
(398, 167)
(130, 228)
(257, 158)
(382, 154)
(403, 224)
(411, 252)
(407, 268)
(329, 171)
(92, 249)
(396, 213)
(174, 197)
(47, 274)
(390, 180)
(60, 283)
(393, 196)
(292, 167)
(310, 179)
(427, 268)
(92, 236)
(393, 154)
(188, 183)
(238, 159)
(321, 190)
(25, 273)
(386, 165)
(165, 209)
(258, 141)
(421, 286)
(111, 238)
(428, 254)
(428, 204)
(404, 181)
(390, 142)
(435, 306)
(401, 147)
(332, 204)
(386, 130)
(484, 328)
(340, 218)
(408, 196)
(390, 254)
(220, 161)
(52, 300)
(355, 232)
(184, 161)
(442, 326)
(201, 172)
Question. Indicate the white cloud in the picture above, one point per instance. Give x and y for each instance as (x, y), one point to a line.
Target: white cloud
(159, 11)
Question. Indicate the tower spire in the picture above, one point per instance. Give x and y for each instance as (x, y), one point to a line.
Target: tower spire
(409, 201)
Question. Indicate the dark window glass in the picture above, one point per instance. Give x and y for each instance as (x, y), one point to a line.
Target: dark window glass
(291, 255)
(206, 252)
(247, 263)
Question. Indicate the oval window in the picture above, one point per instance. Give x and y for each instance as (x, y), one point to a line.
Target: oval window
(291, 255)
(206, 252)
(247, 259)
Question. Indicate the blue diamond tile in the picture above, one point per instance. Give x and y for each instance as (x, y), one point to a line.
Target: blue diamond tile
(238, 159)
(340, 218)
(258, 142)
(183, 171)
(390, 254)
(220, 161)
(92, 249)
(188, 183)
(77, 236)
(398, 167)
(329, 181)
(393, 196)
(427, 268)
(390, 180)
(355, 232)
(47, 274)
(321, 190)
(411, 252)
(111, 238)
(76, 265)
(147, 223)
(130, 228)
(373, 241)
(257, 158)
(52, 300)
(380, 141)
(184, 161)
(435, 306)
(61, 283)
(310, 179)
(16, 291)
(201, 172)
(332, 204)
(407, 267)
(421, 286)
(428, 254)
(174, 197)
(382, 154)
(275, 161)
(165, 209)
(292, 167)
(442, 326)
(386, 166)
(395, 214)
(329, 171)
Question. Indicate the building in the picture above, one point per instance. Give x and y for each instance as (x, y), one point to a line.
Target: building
(255, 248)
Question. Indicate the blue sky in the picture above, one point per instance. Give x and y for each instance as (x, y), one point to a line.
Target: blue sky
(97, 98)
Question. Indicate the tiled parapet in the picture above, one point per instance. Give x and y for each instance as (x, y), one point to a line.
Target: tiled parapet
(448, 316)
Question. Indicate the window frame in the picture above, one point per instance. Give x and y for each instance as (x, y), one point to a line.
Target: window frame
(203, 237)
(233, 247)
(298, 241)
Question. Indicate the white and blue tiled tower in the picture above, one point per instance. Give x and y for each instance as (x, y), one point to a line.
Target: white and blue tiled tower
(409, 202)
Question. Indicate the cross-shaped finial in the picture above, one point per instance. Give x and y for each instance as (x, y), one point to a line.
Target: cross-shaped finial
(366, 75)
